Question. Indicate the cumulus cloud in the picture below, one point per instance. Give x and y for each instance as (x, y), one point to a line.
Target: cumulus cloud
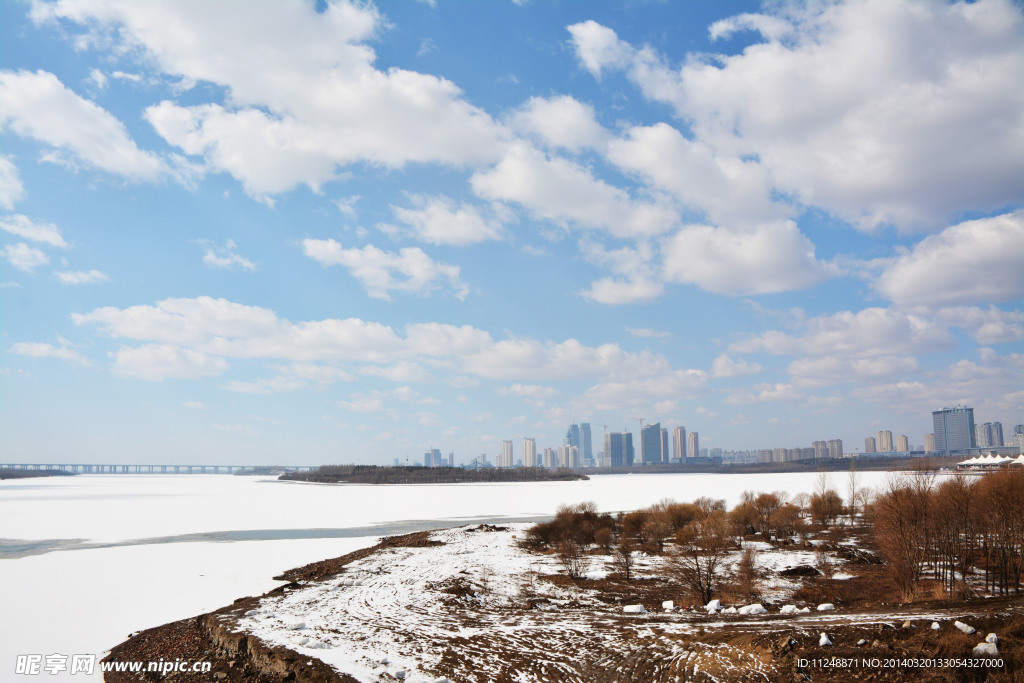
(882, 113)
(11, 189)
(24, 227)
(563, 192)
(972, 262)
(985, 326)
(771, 257)
(871, 332)
(224, 329)
(39, 106)
(616, 291)
(727, 190)
(63, 352)
(560, 121)
(381, 272)
(24, 257)
(439, 220)
(81, 277)
(226, 257)
(726, 366)
(310, 109)
(156, 362)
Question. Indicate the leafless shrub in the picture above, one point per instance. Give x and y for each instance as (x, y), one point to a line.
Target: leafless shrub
(701, 546)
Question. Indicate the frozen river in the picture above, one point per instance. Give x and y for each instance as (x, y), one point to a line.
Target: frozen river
(86, 560)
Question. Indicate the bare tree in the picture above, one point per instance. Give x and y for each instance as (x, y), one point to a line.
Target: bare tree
(701, 546)
(853, 488)
(623, 557)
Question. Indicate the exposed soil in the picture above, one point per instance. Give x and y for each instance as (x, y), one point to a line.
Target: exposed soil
(577, 640)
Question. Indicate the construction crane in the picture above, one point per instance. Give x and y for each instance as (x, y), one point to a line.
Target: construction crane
(637, 418)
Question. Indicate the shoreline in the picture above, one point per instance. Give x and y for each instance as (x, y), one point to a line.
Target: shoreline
(577, 642)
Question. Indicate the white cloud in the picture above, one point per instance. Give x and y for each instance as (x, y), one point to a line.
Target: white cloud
(403, 371)
(226, 257)
(878, 112)
(39, 106)
(439, 220)
(98, 78)
(616, 291)
(872, 332)
(194, 405)
(81, 277)
(647, 333)
(771, 257)
(158, 361)
(560, 121)
(620, 395)
(24, 257)
(726, 189)
(63, 352)
(558, 190)
(221, 328)
(985, 326)
(972, 262)
(726, 366)
(311, 107)
(381, 272)
(292, 377)
(828, 370)
(23, 227)
(11, 189)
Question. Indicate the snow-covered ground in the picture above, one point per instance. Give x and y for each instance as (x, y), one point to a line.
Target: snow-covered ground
(82, 599)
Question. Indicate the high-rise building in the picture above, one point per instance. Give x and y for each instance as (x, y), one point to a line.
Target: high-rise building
(650, 444)
(586, 450)
(529, 452)
(902, 443)
(505, 459)
(884, 441)
(835, 448)
(929, 443)
(568, 456)
(820, 449)
(953, 429)
(572, 435)
(679, 442)
(614, 455)
(983, 435)
(628, 454)
(550, 458)
(870, 446)
(664, 445)
(693, 444)
(997, 435)
(432, 458)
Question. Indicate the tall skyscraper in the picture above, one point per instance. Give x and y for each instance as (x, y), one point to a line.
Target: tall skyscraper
(628, 454)
(586, 450)
(983, 435)
(997, 435)
(664, 445)
(568, 456)
(929, 443)
(820, 449)
(650, 444)
(679, 442)
(693, 444)
(505, 459)
(869, 445)
(835, 448)
(572, 435)
(530, 452)
(550, 458)
(884, 441)
(902, 443)
(953, 428)
(614, 453)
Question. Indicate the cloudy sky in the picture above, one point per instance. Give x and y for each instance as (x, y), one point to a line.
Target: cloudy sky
(306, 233)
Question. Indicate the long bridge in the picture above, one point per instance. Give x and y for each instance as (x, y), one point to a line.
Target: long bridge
(79, 468)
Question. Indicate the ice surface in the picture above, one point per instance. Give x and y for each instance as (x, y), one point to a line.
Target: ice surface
(63, 598)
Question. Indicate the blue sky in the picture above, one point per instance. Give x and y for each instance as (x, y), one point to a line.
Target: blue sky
(306, 233)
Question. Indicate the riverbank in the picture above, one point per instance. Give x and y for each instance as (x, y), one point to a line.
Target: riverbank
(471, 604)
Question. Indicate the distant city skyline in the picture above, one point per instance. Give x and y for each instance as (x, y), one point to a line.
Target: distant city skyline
(318, 232)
